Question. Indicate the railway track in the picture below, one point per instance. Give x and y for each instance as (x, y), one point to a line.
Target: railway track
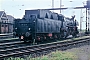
(8, 35)
(20, 49)
(8, 40)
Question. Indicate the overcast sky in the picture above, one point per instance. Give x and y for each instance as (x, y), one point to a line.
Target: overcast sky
(17, 8)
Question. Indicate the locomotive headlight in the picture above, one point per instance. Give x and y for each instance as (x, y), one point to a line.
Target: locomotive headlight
(29, 28)
(33, 21)
(22, 37)
(16, 28)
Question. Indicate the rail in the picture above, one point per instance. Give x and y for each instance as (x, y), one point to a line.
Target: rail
(42, 48)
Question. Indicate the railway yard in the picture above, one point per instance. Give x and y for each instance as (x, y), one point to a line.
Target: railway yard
(39, 40)
(12, 47)
(43, 34)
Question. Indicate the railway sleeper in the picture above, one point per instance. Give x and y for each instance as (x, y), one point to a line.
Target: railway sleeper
(8, 47)
(7, 55)
(38, 54)
(11, 50)
(11, 43)
(45, 52)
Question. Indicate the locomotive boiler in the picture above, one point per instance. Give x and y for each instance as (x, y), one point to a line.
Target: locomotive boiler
(43, 25)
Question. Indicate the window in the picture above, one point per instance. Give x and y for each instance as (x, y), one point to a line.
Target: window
(2, 21)
(2, 25)
(22, 24)
(3, 18)
(46, 16)
(4, 15)
(51, 17)
(38, 16)
(5, 21)
(5, 25)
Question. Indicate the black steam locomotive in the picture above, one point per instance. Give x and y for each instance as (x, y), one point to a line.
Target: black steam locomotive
(43, 25)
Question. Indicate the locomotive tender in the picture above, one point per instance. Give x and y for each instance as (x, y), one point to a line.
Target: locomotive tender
(42, 25)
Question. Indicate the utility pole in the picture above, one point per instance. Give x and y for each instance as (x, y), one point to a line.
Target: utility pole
(86, 20)
(88, 5)
(89, 20)
(60, 5)
(52, 3)
(81, 17)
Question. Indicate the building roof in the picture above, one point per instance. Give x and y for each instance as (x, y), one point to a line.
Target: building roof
(10, 17)
(1, 12)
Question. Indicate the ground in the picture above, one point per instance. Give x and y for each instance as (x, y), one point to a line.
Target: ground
(83, 52)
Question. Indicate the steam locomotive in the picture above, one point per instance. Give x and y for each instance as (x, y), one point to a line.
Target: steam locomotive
(42, 25)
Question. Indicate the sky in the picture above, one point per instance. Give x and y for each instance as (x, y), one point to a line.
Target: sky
(17, 8)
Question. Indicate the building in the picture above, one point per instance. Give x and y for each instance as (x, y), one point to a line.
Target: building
(6, 23)
(10, 21)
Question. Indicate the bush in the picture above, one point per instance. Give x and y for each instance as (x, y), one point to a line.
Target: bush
(58, 55)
